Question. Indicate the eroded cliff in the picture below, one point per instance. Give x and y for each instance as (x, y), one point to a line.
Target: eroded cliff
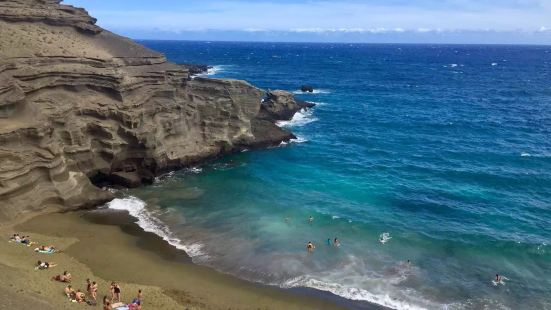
(79, 103)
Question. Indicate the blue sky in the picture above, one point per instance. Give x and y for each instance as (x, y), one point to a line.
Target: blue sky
(378, 21)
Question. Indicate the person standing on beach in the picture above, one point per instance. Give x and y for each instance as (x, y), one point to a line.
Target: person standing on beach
(94, 290)
(310, 247)
(89, 287)
(117, 292)
(112, 290)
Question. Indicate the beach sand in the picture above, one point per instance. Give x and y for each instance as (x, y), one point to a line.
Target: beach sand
(106, 246)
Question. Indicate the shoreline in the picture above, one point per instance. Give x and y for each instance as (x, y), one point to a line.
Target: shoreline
(106, 245)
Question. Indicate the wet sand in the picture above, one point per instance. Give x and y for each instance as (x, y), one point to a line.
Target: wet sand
(106, 246)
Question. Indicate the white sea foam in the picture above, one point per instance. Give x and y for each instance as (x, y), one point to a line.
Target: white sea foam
(525, 155)
(215, 70)
(453, 65)
(301, 118)
(316, 91)
(194, 170)
(494, 64)
(298, 139)
(350, 292)
(164, 177)
(150, 223)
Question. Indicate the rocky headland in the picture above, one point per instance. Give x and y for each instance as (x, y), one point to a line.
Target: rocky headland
(80, 105)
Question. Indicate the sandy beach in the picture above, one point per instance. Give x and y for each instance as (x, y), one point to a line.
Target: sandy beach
(105, 247)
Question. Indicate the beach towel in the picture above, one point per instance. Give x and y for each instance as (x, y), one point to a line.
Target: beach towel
(120, 306)
(49, 251)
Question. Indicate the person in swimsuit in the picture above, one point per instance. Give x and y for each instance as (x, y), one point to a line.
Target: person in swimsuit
(498, 278)
(138, 299)
(328, 241)
(80, 297)
(44, 265)
(107, 306)
(94, 290)
(89, 287)
(65, 277)
(112, 290)
(117, 292)
(310, 219)
(310, 247)
(69, 291)
(25, 240)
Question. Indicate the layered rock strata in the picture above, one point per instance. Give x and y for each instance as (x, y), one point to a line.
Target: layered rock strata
(81, 105)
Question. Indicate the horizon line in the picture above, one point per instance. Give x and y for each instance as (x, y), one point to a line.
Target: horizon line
(343, 43)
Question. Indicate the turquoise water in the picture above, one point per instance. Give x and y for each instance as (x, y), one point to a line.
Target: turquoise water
(446, 148)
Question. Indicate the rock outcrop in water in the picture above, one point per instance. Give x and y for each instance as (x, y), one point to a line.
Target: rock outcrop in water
(81, 105)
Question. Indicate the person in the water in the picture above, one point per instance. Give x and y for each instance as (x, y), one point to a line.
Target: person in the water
(336, 242)
(498, 278)
(328, 241)
(310, 219)
(310, 247)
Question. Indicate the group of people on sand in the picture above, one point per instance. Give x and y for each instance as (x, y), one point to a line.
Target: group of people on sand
(78, 296)
(91, 295)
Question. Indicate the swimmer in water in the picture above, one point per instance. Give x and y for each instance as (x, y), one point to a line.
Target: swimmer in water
(310, 219)
(328, 241)
(336, 242)
(310, 247)
(287, 219)
(498, 278)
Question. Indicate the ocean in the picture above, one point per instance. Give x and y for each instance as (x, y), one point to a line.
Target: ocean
(445, 148)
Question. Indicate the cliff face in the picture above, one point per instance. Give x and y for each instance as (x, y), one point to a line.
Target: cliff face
(78, 103)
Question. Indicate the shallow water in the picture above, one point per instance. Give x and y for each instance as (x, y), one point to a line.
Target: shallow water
(446, 148)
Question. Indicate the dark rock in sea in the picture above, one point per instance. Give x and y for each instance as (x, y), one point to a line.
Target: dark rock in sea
(81, 106)
(281, 105)
(305, 104)
(195, 69)
(307, 89)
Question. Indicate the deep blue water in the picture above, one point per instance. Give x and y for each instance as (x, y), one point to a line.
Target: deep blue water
(446, 148)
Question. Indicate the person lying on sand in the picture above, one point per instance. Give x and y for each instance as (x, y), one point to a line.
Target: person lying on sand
(65, 277)
(46, 248)
(15, 238)
(26, 240)
(40, 265)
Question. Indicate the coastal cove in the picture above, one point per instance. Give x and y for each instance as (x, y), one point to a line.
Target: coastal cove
(443, 147)
(104, 245)
(258, 175)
